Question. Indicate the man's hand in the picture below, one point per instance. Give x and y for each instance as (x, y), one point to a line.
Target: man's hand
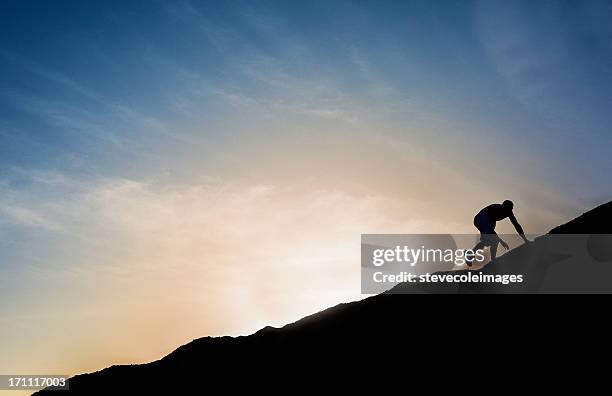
(504, 244)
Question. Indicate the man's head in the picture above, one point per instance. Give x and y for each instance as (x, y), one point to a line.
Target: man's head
(508, 205)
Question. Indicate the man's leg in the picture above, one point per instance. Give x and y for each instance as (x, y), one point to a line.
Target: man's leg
(493, 249)
(479, 245)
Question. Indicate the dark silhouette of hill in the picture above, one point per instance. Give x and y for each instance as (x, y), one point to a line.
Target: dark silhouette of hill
(596, 221)
(393, 339)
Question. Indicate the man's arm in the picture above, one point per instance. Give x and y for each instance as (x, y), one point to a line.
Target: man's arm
(517, 226)
(503, 243)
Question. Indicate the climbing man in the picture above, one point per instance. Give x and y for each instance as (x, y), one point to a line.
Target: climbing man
(485, 222)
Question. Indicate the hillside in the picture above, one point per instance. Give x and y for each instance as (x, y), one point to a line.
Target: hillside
(359, 342)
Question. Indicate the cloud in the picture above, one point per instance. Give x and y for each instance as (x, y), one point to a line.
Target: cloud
(23, 216)
(110, 119)
(199, 228)
(528, 49)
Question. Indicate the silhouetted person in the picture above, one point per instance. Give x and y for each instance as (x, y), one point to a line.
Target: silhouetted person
(485, 221)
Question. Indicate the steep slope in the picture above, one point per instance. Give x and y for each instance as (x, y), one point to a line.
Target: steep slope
(385, 338)
(595, 221)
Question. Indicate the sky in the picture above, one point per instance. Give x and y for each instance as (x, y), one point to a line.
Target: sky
(177, 169)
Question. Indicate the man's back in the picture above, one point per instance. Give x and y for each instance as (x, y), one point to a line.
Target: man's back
(496, 212)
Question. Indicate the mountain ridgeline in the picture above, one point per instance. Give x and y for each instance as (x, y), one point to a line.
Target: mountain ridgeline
(359, 342)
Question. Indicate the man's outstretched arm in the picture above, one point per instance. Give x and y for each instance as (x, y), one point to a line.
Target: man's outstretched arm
(518, 227)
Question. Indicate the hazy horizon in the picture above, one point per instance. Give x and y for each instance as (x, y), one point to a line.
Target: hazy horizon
(171, 170)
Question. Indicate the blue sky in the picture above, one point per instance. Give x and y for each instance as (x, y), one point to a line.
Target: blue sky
(141, 142)
(84, 80)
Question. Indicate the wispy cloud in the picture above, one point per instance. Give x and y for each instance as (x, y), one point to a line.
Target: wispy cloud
(23, 216)
(527, 51)
(98, 122)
